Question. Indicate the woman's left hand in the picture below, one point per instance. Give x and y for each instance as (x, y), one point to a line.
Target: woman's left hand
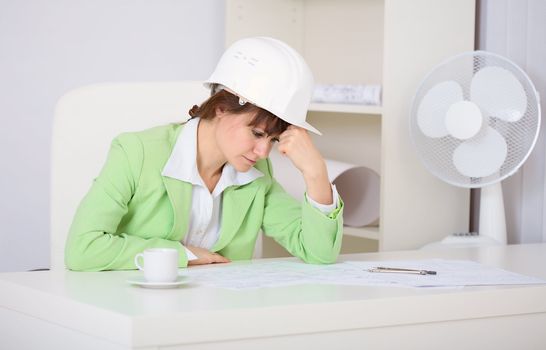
(297, 145)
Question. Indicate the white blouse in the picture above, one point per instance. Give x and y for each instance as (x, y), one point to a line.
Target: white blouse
(206, 209)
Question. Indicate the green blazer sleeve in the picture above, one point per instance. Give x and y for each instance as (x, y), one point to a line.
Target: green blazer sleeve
(93, 242)
(303, 230)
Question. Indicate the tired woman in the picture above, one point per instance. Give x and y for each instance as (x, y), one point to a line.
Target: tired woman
(206, 187)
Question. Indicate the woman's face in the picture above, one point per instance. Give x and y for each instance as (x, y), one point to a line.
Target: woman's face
(242, 144)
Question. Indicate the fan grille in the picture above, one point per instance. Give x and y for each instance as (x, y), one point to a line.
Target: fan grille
(520, 136)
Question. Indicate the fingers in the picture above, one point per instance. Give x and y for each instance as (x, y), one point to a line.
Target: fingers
(287, 138)
(217, 258)
(292, 131)
(212, 258)
(206, 257)
(295, 140)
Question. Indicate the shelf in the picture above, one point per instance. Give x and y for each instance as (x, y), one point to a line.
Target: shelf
(366, 42)
(369, 232)
(345, 108)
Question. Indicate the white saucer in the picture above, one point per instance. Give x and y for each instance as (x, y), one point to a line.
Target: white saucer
(142, 282)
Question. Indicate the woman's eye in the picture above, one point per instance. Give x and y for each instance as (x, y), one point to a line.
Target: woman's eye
(275, 139)
(257, 133)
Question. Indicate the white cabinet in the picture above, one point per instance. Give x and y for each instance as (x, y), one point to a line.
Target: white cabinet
(388, 42)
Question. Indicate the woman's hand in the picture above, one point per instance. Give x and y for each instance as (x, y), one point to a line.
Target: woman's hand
(297, 145)
(205, 257)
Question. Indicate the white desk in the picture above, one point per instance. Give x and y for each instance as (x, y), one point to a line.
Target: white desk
(75, 310)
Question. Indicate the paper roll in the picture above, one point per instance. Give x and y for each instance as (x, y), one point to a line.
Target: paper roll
(350, 94)
(357, 185)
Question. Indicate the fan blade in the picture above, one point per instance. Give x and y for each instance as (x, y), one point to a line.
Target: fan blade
(481, 156)
(499, 93)
(434, 106)
(463, 120)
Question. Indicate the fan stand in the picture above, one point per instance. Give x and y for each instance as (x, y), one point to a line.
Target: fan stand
(492, 229)
(492, 219)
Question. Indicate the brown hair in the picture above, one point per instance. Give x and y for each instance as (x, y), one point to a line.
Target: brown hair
(229, 102)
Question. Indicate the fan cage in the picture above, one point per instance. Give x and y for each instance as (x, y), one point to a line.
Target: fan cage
(437, 153)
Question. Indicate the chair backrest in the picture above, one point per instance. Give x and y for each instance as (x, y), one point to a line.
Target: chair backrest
(86, 120)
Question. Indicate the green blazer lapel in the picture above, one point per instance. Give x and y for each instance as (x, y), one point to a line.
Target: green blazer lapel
(180, 194)
(235, 204)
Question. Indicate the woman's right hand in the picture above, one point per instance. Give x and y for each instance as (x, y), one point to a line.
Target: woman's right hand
(205, 257)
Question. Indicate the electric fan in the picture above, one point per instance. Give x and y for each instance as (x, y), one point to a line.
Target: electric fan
(474, 120)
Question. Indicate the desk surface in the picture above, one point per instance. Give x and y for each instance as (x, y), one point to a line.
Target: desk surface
(104, 305)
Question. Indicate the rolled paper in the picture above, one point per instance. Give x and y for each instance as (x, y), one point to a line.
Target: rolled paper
(349, 94)
(358, 187)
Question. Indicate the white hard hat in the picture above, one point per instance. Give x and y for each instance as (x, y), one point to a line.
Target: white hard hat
(269, 74)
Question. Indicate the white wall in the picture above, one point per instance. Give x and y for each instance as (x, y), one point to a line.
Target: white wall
(50, 47)
(517, 29)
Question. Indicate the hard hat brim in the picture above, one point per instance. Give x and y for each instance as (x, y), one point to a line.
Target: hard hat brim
(305, 125)
(308, 127)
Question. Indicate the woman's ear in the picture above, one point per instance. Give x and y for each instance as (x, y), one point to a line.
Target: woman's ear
(220, 112)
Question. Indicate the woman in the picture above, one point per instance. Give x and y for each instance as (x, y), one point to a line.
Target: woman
(206, 187)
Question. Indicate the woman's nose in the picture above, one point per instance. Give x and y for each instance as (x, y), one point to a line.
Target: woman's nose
(262, 148)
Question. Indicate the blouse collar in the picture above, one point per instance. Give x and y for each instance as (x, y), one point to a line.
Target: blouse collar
(182, 164)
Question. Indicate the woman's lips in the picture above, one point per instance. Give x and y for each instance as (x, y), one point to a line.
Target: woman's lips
(250, 160)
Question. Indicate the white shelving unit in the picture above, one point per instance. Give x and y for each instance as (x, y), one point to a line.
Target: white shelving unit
(370, 232)
(345, 108)
(392, 43)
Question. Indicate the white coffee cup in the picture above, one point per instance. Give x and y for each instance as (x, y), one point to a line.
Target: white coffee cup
(159, 264)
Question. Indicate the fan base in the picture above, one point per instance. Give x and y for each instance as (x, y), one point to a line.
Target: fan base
(462, 241)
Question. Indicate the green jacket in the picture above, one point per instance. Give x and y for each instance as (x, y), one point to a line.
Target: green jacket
(131, 207)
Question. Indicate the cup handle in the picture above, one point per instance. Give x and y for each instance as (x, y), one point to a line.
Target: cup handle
(139, 255)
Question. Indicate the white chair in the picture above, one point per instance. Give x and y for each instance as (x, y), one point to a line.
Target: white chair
(86, 120)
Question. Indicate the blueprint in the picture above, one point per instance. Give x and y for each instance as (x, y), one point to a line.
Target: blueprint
(266, 274)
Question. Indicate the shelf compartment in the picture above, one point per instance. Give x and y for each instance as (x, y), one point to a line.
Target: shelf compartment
(368, 232)
(345, 108)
